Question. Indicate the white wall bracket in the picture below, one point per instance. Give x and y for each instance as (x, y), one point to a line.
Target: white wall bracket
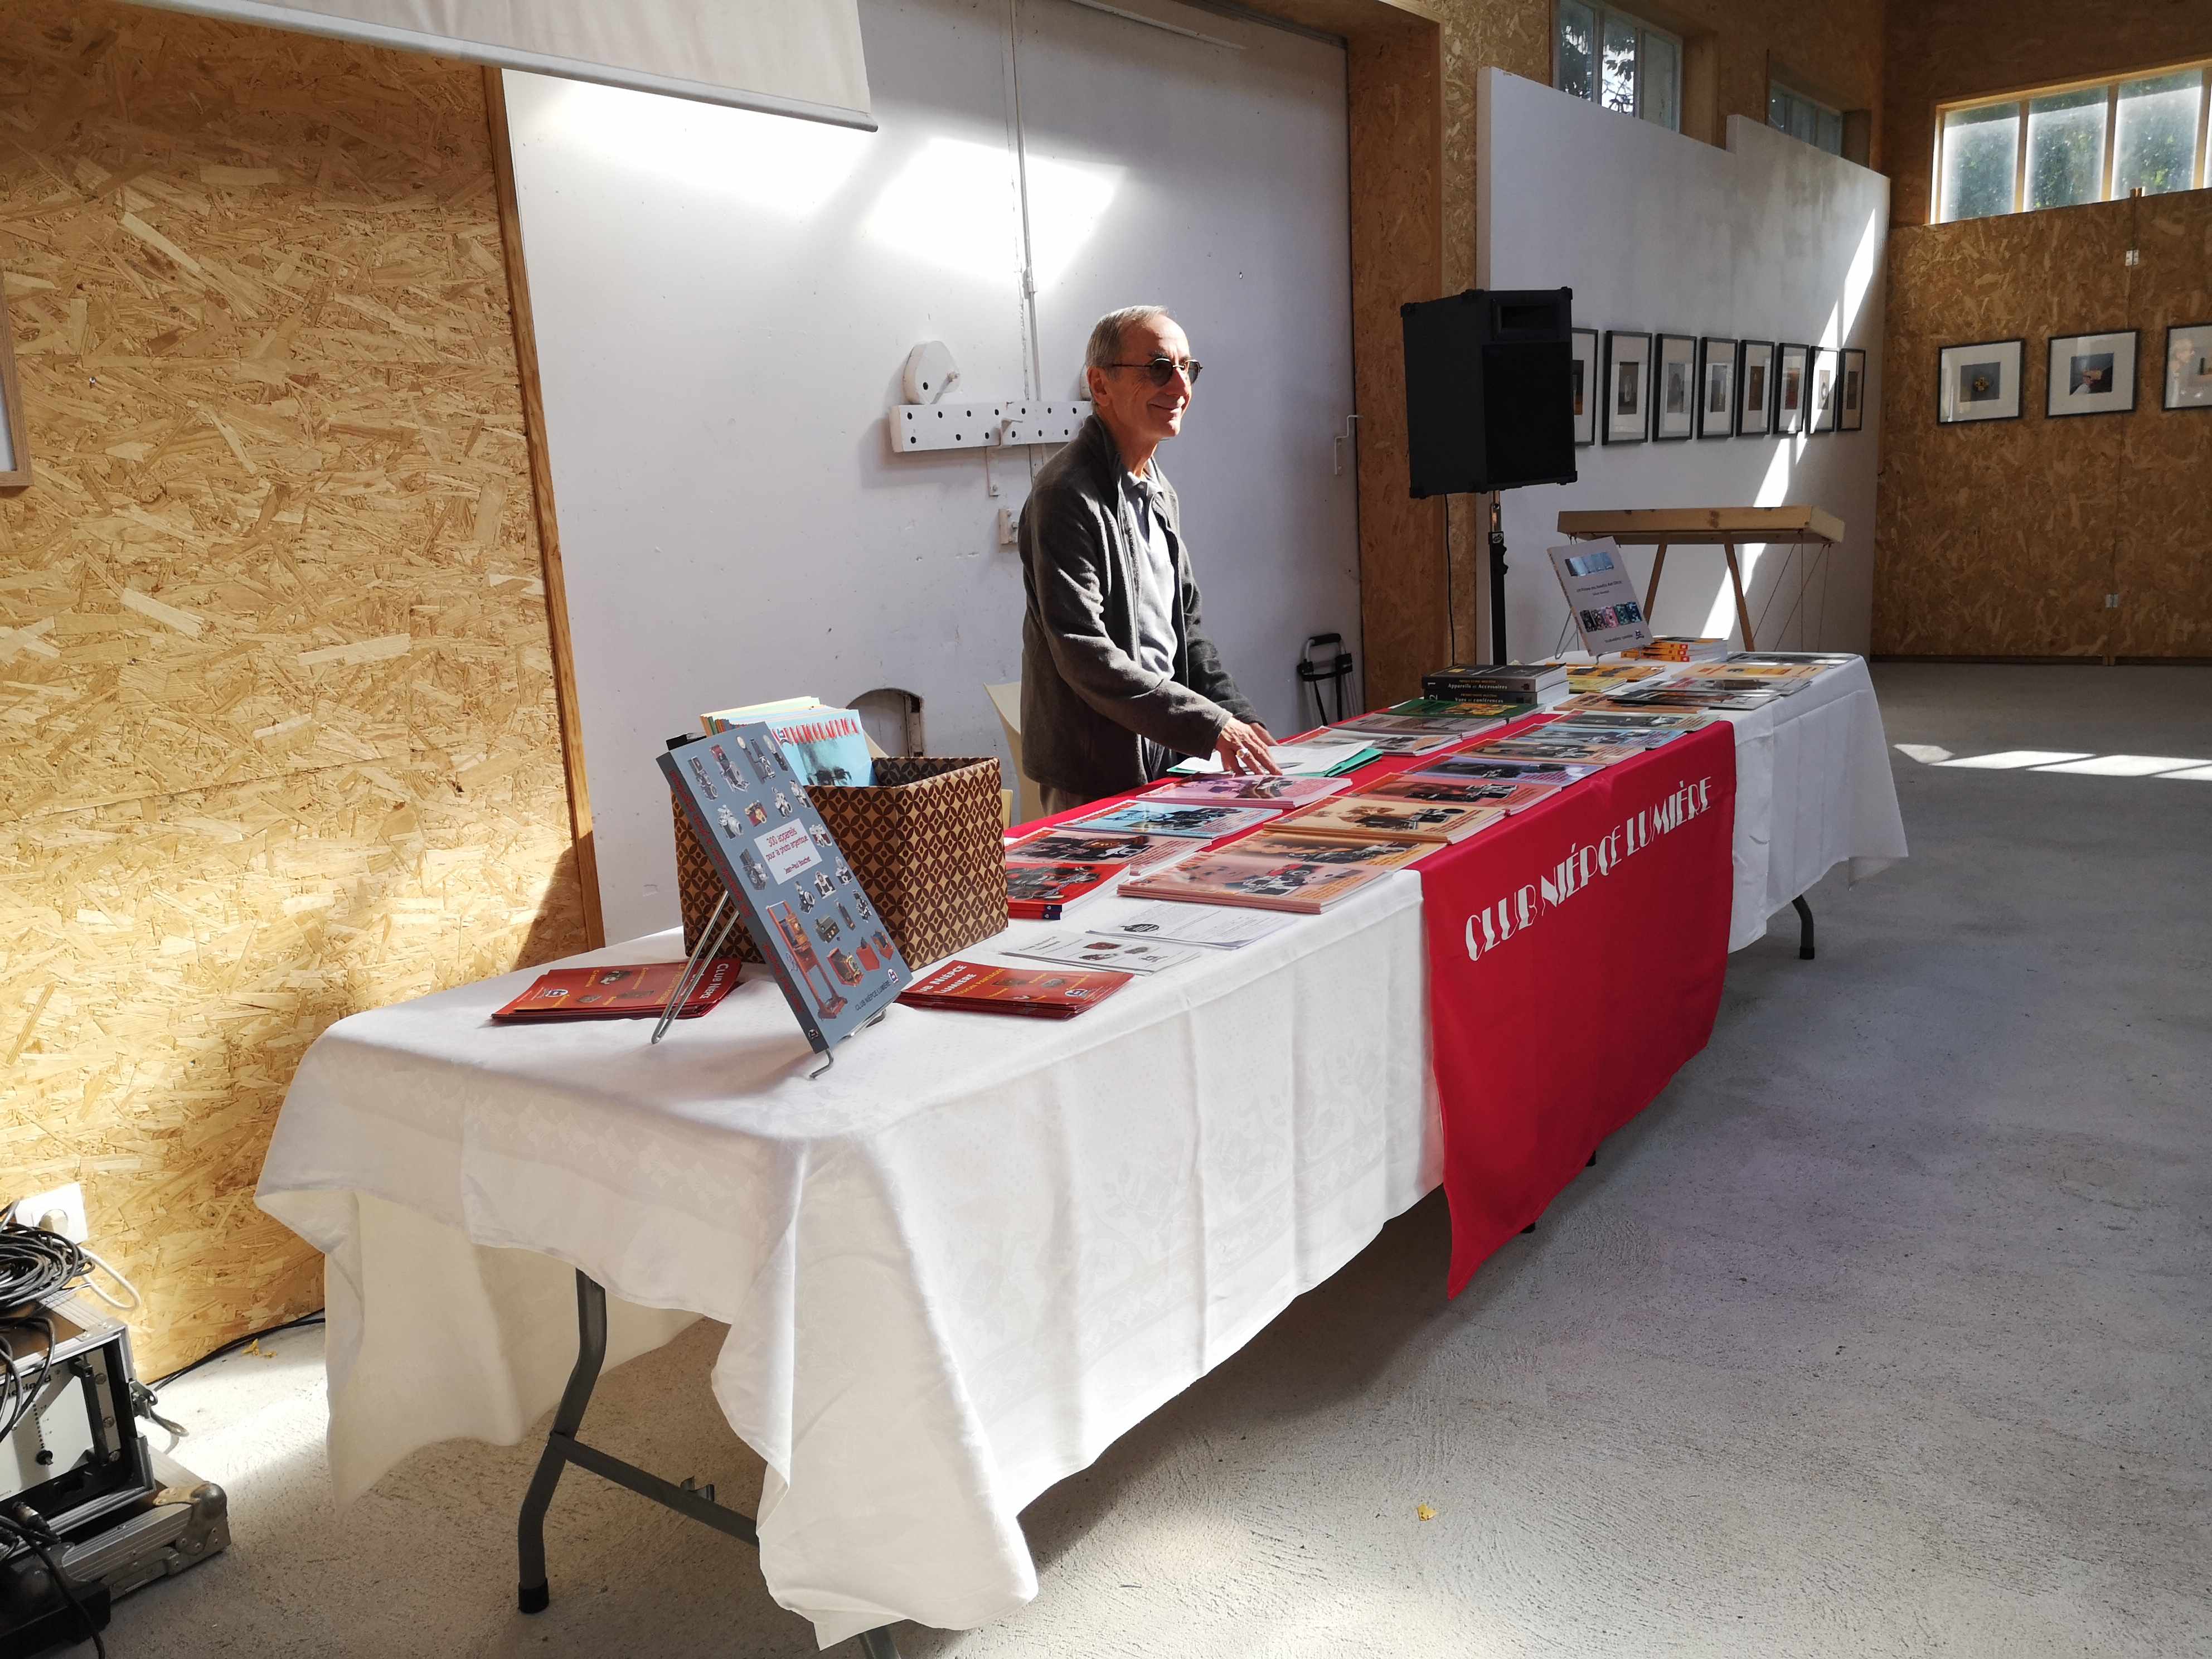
(999, 425)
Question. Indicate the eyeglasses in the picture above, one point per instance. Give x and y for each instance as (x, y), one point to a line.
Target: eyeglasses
(1163, 369)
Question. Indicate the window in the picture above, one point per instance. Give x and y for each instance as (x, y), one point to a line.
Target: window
(2090, 141)
(1804, 117)
(1619, 61)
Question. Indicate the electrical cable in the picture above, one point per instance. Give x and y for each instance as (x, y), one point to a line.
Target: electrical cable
(233, 1347)
(28, 1527)
(109, 1268)
(35, 1264)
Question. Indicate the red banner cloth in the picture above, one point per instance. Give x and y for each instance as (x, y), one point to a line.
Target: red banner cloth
(1576, 956)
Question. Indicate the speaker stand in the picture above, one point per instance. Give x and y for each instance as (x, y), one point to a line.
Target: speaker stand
(1497, 586)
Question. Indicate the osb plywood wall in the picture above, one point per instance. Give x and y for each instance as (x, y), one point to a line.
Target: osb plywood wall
(2002, 538)
(272, 644)
(1940, 53)
(1413, 235)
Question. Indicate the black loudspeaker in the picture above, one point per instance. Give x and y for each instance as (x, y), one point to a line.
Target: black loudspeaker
(1489, 390)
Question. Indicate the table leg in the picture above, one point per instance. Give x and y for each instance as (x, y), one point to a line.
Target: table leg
(1735, 578)
(1804, 928)
(1651, 594)
(532, 1593)
(877, 1645)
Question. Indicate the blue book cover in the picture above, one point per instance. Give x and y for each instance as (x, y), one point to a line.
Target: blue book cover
(818, 744)
(830, 953)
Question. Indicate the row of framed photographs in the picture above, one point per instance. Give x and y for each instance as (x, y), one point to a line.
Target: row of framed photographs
(1664, 387)
(2090, 374)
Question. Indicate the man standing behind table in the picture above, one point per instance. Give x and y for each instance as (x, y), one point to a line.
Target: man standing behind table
(1119, 680)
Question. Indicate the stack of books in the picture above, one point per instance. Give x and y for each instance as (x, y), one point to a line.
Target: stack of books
(1676, 647)
(1540, 684)
(1040, 890)
(1585, 677)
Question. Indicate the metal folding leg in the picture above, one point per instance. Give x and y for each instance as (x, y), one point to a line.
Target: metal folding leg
(1804, 928)
(563, 1448)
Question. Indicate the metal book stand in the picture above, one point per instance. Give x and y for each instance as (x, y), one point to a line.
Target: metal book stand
(533, 1593)
(719, 923)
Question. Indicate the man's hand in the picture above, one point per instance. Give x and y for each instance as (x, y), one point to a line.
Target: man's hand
(1243, 748)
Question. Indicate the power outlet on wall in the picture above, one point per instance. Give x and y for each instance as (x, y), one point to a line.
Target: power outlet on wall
(61, 1211)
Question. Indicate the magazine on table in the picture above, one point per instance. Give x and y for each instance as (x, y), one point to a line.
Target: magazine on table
(1642, 720)
(984, 987)
(1478, 715)
(1304, 887)
(1385, 852)
(618, 993)
(1375, 816)
(1127, 956)
(1193, 924)
(1389, 722)
(1312, 757)
(1675, 695)
(1582, 677)
(1237, 789)
(1409, 742)
(1471, 767)
(1040, 890)
(1463, 791)
(1147, 816)
(1744, 677)
(1139, 852)
(1594, 729)
(1534, 746)
(1678, 647)
(1813, 659)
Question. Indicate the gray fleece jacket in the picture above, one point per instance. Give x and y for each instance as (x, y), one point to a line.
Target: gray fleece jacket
(1094, 720)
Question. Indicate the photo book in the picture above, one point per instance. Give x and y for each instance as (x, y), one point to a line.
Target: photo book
(618, 992)
(1304, 887)
(794, 890)
(1139, 852)
(1476, 768)
(1040, 890)
(1167, 817)
(1317, 847)
(981, 988)
(1463, 791)
(1230, 789)
(817, 743)
(1376, 816)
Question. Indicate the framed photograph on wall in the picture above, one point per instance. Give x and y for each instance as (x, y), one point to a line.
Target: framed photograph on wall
(1716, 388)
(1584, 342)
(1791, 363)
(1979, 382)
(1627, 387)
(2092, 374)
(2189, 366)
(1675, 388)
(1755, 405)
(1826, 387)
(1853, 407)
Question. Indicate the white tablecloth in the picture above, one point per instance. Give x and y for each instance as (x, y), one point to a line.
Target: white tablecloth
(964, 1262)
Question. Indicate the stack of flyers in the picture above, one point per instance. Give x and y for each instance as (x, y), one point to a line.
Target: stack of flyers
(1231, 789)
(1040, 890)
(1193, 924)
(1319, 755)
(1078, 846)
(1126, 956)
(1167, 817)
(987, 988)
(618, 992)
(1441, 791)
(1476, 768)
(1478, 715)
(1371, 817)
(1385, 852)
(1306, 886)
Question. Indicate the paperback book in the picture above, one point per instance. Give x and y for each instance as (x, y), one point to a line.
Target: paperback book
(1040, 890)
(1304, 887)
(1477, 713)
(1139, 852)
(1677, 647)
(1583, 676)
(1232, 789)
(815, 744)
(1675, 695)
(1193, 924)
(1541, 684)
(1411, 743)
(1463, 791)
(1477, 767)
(1810, 658)
(1310, 757)
(1385, 852)
(1167, 817)
(631, 993)
(988, 989)
(1785, 677)
(1126, 956)
(797, 896)
(1534, 746)
(1375, 816)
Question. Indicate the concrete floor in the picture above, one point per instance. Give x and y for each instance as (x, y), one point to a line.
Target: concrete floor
(1888, 1330)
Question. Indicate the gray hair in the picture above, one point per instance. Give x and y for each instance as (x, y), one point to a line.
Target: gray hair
(1106, 333)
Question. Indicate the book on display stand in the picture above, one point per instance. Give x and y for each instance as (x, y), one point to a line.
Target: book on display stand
(784, 878)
